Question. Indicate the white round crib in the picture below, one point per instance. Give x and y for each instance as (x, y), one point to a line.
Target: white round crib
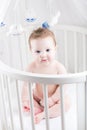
(72, 53)
(11, 113)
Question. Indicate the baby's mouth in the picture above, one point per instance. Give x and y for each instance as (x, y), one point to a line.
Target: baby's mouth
(44, 60)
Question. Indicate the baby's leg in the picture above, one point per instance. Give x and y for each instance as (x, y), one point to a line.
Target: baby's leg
(54, 111)
(37, 107)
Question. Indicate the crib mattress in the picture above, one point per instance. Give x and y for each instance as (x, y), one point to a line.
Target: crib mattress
(55, 123)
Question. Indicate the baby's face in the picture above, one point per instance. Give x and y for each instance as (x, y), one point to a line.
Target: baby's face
(43, 50)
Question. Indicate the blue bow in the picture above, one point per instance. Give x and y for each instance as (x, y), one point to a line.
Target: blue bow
(45, 25)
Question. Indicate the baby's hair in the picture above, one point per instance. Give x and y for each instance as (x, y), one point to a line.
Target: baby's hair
(41, 33)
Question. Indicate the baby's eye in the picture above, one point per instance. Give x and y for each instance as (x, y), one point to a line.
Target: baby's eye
(37, 51)
(47, 50)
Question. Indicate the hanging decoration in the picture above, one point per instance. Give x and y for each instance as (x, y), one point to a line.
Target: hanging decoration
(15, 29)
(52, 22)
(30, 16)
(2, 24)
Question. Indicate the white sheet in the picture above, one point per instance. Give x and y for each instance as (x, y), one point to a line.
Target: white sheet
(71, 122)
(55, 123)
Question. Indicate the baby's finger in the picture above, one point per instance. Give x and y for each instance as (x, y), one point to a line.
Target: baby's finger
(26, 109)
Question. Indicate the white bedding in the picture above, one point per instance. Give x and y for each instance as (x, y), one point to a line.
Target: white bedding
(55, 123)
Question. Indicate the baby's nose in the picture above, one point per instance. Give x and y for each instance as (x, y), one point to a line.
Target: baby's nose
(43, 54)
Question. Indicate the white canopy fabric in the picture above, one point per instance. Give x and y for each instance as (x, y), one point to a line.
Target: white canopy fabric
(73, 12)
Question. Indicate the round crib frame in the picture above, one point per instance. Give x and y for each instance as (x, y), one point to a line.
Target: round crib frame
(8, 72)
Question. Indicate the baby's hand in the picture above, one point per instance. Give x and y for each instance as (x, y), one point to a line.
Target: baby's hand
(50, 102)
(26, 107)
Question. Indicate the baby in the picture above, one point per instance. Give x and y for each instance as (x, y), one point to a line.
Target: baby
(42, 45)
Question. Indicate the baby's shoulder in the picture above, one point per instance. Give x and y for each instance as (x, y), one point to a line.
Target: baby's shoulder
(60, 68)
(30, 67)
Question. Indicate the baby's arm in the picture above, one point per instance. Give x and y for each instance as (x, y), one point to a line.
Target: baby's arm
(25, 97)
(67, 104)
(25, 92)
(52, 99)
(55, 98)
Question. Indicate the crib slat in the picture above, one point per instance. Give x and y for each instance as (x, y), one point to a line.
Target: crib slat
(62, 108)
(80, 106)
(27, 49)
(75, 52)
(20, 53)
(1, 128)
(66, 55)
(31, 105)
(45, 91)
(84, 51)
(19, 106)
(9, 101)
(86, 104)
(3, 102)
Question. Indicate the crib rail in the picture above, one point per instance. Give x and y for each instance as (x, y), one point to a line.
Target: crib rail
(6, 73)
(41, 78)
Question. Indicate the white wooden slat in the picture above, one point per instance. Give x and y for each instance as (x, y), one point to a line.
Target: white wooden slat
(5, 124)
(75, 52)
(20, 50)
(9, 101)
(66, 49)
(86, 104)
(45, 92)
(62, 108)
(26, 49)
(80, 93)
(31, 105)
(84, 51)
(19, 105)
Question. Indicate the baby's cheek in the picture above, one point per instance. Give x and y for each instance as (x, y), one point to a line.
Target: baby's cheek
(52, 57)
